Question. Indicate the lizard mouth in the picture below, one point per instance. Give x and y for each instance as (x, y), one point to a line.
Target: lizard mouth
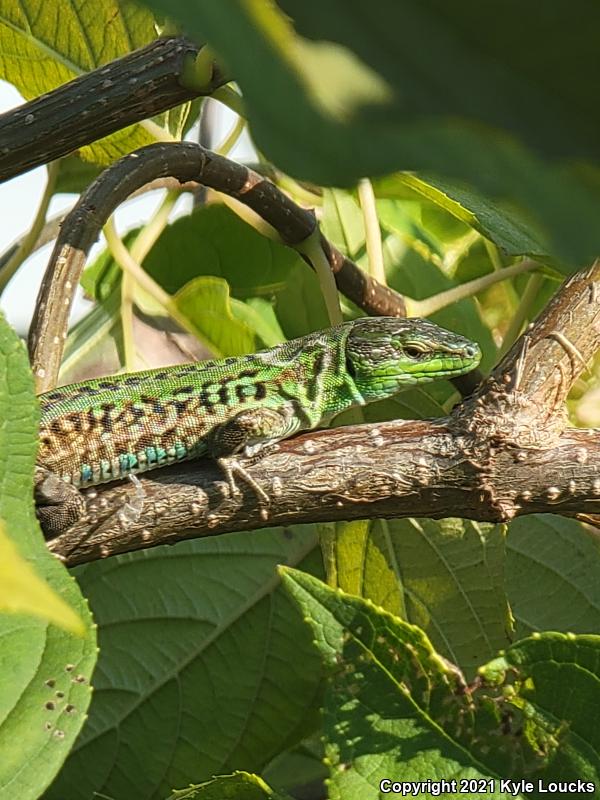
(443, 364)
(446, 364)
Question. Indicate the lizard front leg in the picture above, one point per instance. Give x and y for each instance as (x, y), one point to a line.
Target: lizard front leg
(58, 504)
(248, 432)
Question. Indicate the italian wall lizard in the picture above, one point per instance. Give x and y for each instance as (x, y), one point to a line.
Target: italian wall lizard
(109, 428)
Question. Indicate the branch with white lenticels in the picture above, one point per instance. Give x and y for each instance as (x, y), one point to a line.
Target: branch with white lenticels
(504, 452)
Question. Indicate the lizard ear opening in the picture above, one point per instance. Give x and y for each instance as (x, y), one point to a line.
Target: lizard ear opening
(350, 368)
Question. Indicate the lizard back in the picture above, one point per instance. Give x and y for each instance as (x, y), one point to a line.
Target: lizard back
(107, 428)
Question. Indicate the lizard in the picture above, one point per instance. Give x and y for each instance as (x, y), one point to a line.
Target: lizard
(111, 428)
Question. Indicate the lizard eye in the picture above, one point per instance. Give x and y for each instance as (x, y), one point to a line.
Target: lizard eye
(413, 351)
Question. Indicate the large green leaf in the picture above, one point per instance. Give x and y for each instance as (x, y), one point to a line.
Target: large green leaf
(215, 241)
(447, 576)
(553, 575)
(512, 233)
(393, 703)
(22, 591)
(45, 671)
(43, 45)
(238, 786)
(552, 682)
(494, 95)
(214, 315)
(393, 707)
(205, 665)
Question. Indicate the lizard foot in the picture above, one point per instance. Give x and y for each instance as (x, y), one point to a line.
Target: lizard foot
(58, 504)
(232, 467)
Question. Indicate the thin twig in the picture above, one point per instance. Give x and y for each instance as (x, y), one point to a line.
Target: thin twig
(366, 197)
(312, 248)
(29, 242)
(138, 275)
(232, 137)
(424, 308)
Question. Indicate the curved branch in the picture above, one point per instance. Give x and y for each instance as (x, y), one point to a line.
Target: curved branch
(185, 162)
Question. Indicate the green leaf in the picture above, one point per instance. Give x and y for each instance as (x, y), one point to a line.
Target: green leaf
(343, 222)
(259, 315)
(75, 175)
(238, 786)
(393, 707)
(447, 576)
(45, 675)
(215, 241)
(330, 99)
(195, 665)
(22, 591)
(510, 231)
(427, 229)
(392, 700)
(300, 306)
(552, 575)
(216, 317)
(552, 680)
(37, 54)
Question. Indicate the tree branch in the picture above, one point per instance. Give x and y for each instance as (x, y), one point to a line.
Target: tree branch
(121, 93)
(185, 162)
(503, 453)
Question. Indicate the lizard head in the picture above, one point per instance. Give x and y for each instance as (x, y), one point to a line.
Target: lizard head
(385, 354)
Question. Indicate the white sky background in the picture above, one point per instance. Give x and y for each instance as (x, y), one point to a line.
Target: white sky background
(20, 198)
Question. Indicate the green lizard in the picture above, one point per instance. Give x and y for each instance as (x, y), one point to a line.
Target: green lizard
(110, 428)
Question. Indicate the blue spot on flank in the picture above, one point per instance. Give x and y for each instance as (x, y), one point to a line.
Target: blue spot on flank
(86, 473)
(151, 455)
(180, 451)
(127, 462)
(105, 469)
(161, 455)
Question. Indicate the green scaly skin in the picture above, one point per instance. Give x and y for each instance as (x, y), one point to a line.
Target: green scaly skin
(110, 428)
